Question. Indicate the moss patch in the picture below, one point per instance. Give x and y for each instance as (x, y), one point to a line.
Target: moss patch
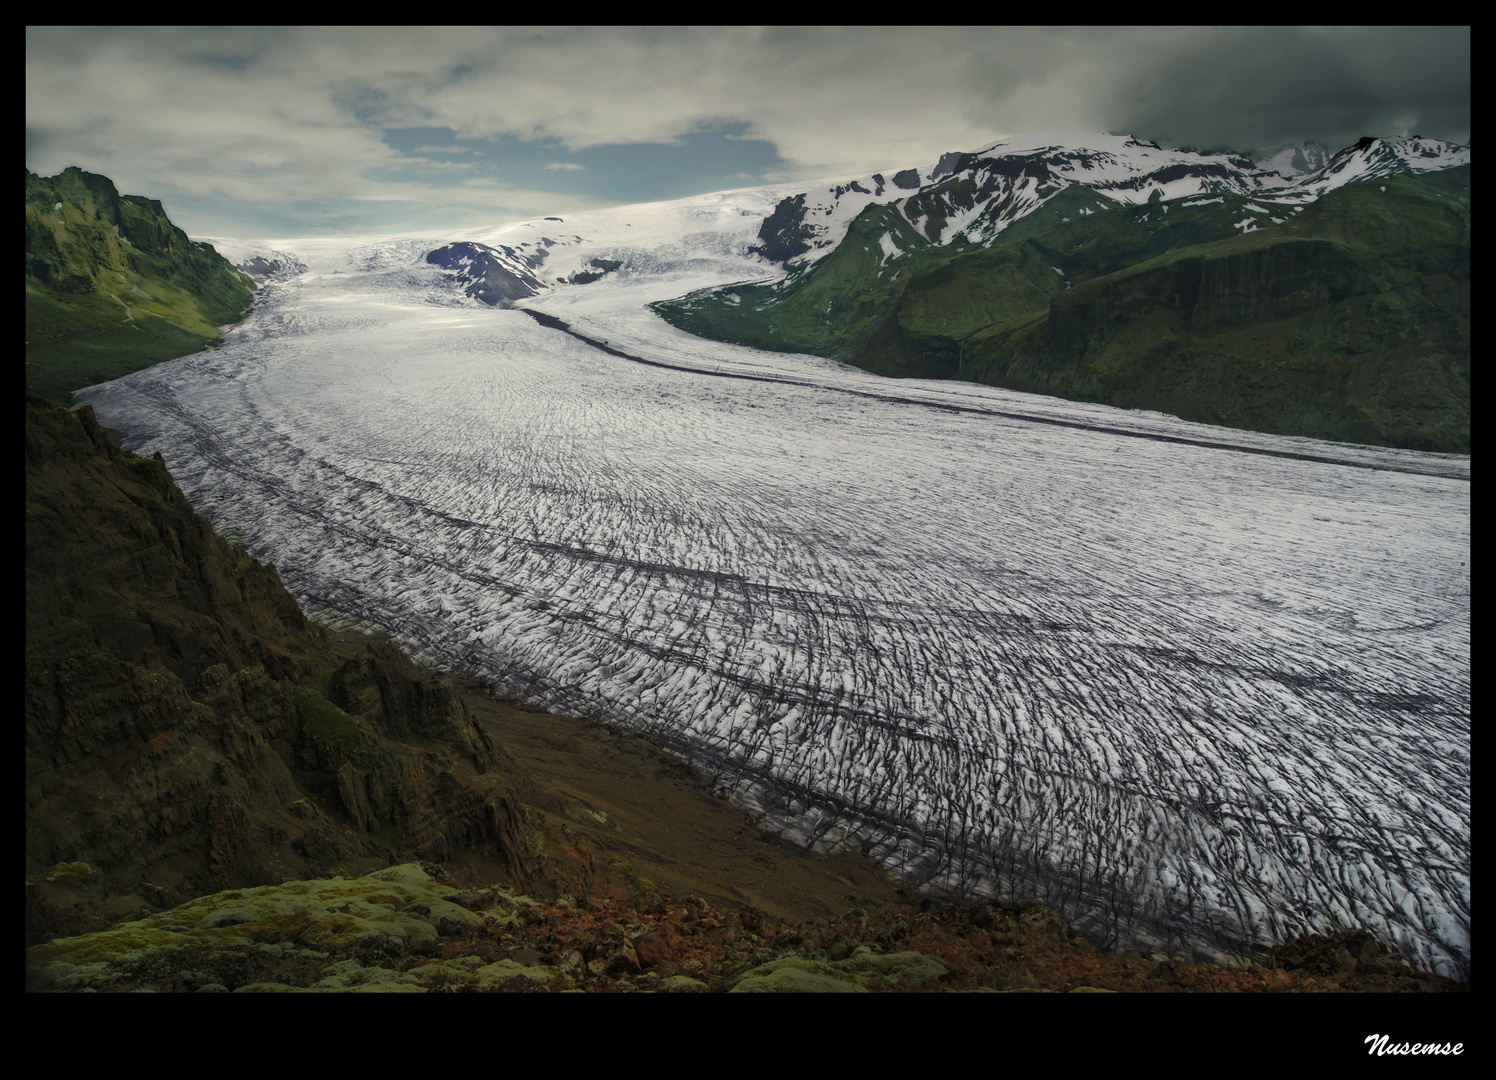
(325, 722)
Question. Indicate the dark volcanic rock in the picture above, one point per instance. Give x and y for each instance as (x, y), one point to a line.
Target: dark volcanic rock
(496, 276)
(263, 269)
(784, 232)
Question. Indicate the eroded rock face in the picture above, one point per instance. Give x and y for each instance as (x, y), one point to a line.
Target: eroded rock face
(117, 562)
(785, 233)
(387, 689)
(188, 730)
(496, 276)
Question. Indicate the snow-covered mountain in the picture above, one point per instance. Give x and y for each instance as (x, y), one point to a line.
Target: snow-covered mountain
(1296, 160)
(1197, 687)
(981, 193)
(976, 195)
(1372, 159)
(1335, 304)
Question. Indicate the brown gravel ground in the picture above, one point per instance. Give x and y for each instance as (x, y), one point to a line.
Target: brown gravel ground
(654, 876)
(631, 945)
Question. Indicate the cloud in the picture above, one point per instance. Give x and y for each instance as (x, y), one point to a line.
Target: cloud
(565, 166)
(239, 130)
(1260, 87)
(272, 116)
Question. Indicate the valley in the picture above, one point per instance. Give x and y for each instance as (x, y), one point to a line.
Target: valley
(1194, 687)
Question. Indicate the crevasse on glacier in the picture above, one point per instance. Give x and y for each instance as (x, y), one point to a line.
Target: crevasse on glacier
(1194, 696)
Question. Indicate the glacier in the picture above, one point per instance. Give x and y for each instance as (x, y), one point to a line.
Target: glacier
(1197, 688)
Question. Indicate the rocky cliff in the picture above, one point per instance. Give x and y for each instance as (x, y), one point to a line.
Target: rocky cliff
(112, 285)
(187, 730)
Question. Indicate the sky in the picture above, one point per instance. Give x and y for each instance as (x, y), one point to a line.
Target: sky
(302, 131)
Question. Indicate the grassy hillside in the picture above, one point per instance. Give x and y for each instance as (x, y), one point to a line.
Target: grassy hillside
(1347, 320)
(113, 286)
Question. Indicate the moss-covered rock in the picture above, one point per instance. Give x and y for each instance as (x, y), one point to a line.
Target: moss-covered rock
(796, 975)
(329, 935)
(862, 972)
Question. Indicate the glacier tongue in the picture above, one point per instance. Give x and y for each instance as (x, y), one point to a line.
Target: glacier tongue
(1195, 697)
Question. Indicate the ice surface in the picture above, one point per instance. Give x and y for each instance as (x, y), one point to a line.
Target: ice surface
(1196, 687)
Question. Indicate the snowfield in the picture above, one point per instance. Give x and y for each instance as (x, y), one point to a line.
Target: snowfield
(1195, 687)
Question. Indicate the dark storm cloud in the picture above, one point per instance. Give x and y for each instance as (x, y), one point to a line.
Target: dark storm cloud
(1265, 87)
(237, 123)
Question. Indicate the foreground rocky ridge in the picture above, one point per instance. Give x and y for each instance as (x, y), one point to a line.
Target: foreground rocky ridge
(405, 930)
(188, 730)
(189, 733)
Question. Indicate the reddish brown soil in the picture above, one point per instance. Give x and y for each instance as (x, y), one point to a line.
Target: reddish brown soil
(641, 849)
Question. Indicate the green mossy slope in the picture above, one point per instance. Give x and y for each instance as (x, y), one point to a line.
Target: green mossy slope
(113, 286)
(1349, 320)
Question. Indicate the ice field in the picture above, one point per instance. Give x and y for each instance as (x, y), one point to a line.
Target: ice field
(1194, 687)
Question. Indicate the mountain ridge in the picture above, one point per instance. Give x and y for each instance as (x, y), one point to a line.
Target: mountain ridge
(1353, 345)
(112, 285)
(187, 729)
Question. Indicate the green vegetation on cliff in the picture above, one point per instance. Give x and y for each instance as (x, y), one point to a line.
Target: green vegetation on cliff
(1349, 319)
(188, 730)
(113, 286)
